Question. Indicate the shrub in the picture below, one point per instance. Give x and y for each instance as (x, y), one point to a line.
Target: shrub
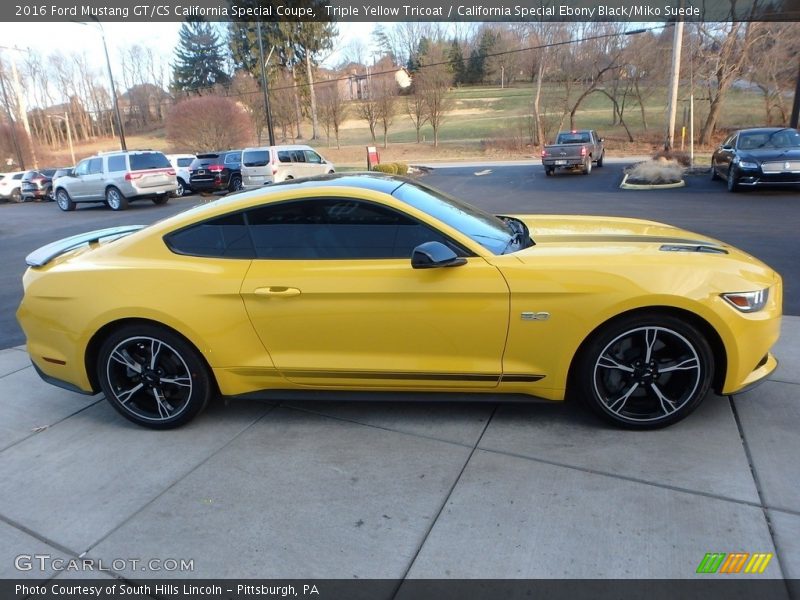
(389, 168)
(402, 168)
(656, 172)
(208, 123)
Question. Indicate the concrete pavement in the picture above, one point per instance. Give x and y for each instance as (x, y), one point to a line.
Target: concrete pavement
(400, 490)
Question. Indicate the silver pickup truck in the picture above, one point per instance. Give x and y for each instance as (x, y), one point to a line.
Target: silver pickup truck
(576, 149)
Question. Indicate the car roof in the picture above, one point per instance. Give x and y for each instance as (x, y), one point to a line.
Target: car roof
(765, 129)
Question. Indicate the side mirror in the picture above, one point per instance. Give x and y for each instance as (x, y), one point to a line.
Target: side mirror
(432, 255)
(727, 147)
(601, 140)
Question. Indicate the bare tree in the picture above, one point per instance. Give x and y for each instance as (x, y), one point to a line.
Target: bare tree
(415, 109)
(433, 83)
(386, 99)
(724, 51)
(773, 68)
(332, 109)
(367, 109)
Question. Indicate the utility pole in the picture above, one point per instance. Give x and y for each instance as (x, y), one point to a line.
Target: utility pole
(264, 88)
(677, 43)
(796, 105)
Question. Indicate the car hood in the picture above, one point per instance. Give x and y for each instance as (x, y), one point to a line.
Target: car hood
(770, 154)
(604, 236)
(559, 229)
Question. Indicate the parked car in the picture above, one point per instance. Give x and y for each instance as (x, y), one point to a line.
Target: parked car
(38, 185)
(181, 163)
(758, 157)
(340, 285)
(117, 178)
(576, 149)
(11, 186)
(216, 171)
(273, 164)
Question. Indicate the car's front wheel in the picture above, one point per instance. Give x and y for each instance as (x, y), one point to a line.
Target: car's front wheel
(64, 201)
(714, 175)
(733, 184)
(645, 372)
(153, 377)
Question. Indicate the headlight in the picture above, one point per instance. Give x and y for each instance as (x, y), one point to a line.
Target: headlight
(746, 164)
(748, 301)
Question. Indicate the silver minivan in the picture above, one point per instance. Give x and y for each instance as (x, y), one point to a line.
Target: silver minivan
(272, 164)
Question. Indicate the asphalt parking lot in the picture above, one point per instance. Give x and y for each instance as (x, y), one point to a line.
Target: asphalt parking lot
(411, 490)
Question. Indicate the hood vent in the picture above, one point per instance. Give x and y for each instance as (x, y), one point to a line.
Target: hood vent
(710, 249)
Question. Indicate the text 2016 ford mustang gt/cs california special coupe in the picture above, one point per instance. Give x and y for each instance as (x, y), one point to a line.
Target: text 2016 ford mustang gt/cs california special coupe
(342, 284)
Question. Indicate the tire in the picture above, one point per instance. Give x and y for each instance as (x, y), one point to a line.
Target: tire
(48, 195)
(600, 160)
(645, 371)
(714, 176)
(235, 184)
(115, 199)
(159, 200)
(63, 200)
(181, 188)
(549, 171)
(587, 167)
(153, 377)
(16, 196)
(730, 180)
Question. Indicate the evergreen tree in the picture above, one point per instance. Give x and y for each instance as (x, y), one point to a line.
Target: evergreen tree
(199, 58)
(456, 58)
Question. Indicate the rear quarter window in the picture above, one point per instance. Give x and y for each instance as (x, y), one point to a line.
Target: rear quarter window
(148, 160)
(116, 163)
(185, 162)
(222, 237)
(255, 158)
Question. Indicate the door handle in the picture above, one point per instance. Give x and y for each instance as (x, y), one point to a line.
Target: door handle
(276, 291)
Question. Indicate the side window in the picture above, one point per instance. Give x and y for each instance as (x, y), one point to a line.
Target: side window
(298, 156)
(223, 237)
(116, 163)
(184, 162)
(234, 158)
(284, 156)
(312, 157)
(95, 166)
(336, 228)
(82, 168)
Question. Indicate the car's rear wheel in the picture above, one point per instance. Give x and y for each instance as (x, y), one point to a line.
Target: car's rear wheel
(159, 200)
(549, 171)
(600, 160)
(16, 196)
(115, 199)
(153, 377)
(714, 175)
(731, 180)
(645, 372)
(64, 201)
(181, 190)
(587, 167)
(48, 194)
(235, 184)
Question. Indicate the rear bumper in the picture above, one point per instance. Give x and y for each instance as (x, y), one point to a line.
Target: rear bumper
(563, 162)
(131, 191)
(208, 185)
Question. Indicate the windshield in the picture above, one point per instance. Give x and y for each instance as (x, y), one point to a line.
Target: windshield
(487, 230)
(780, 138)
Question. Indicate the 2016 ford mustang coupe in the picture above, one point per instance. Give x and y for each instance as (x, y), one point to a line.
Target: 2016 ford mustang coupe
(340, 285)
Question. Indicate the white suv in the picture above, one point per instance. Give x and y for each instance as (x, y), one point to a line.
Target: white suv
(181, 164)
(271, 164)
(117, 178)
(11, 185)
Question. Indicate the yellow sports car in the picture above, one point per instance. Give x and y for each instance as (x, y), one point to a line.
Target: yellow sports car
(329, 287)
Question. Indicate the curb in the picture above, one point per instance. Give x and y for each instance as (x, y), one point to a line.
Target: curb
(649, 186)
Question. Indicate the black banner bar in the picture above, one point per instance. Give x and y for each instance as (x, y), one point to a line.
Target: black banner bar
(401, 10)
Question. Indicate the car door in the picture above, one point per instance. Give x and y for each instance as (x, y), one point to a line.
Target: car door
(315, 165)
(721, 159)
(78, 185)
(94, 182)
(335, 301)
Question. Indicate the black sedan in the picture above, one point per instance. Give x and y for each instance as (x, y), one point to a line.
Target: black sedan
(754, 157)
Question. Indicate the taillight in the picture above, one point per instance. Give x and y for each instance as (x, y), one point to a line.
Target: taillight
(132, 176)
(544, 153)
(216, 168)
(37, 180)
(583, 150)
